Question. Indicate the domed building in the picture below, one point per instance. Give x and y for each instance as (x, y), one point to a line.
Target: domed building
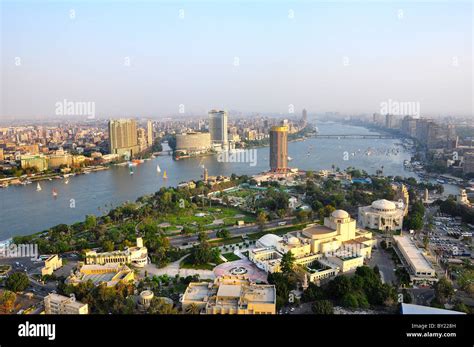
(383, 215)
(323, 250)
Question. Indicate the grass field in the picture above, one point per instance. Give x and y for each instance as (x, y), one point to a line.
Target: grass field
(230, 256)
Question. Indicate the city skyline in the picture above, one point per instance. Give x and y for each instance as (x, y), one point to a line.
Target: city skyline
(188, 59)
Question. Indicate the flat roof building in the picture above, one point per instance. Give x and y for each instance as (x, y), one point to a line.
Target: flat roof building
(231, 295)
(60, 304)
(420, 269)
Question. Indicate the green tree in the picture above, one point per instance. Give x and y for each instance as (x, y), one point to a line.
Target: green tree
(192, 309)
(443, 290)
(90, 222)
(17, 282)
(7, 301)
(261, 220)
(322, 307)
(287, 262)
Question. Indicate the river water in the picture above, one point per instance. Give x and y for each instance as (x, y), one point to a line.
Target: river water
(23, 210)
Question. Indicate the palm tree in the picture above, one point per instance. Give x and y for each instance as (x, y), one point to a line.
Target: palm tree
(192, 309)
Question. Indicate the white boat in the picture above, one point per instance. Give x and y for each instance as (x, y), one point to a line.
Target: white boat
(158, 169)
(38, 187)
(66, 181)
(290, 158)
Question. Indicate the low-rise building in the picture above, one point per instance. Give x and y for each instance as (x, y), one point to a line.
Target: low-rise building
(110, 274)
(382, 215)
(231, 295)
(59, 304)
(137, 256)
(420, 269)
(51, 264)
(321, 251)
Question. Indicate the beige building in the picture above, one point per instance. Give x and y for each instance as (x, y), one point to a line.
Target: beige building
(137, 256)
(59, 159)
(383, 215)
(40, 162)
(231, 295)
(51, 264)
(420, 269)
(279, 149)
(59, 304)
(193, 142)
(321, 251)
(110, 274)
(123, 138)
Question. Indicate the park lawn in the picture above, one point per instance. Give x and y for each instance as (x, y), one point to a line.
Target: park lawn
(231, 256)
(186, 264)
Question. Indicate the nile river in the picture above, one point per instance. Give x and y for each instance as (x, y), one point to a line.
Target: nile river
(24, 211)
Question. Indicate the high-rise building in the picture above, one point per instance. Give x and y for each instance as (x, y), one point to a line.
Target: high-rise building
(218, 127)
(123, 138)
(279, 148)
(305, 117)
(149, 132)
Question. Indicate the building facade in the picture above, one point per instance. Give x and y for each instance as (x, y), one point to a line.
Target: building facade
(382, 215)
(279, 149)
(218, 127)
(59, 304)
(123, 138)
(193, 142)
(231, 295)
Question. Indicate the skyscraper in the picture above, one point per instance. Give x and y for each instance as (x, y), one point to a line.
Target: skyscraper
(218, 127)
(123, 137)
(279, 149)
(305, 117)
(149, 133)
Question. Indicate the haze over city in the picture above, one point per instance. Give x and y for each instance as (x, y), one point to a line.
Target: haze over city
(251, 57)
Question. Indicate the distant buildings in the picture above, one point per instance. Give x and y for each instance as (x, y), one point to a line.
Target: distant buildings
(149, 133)
(279, 149)
(322, 251)
(382, 215)
(123, 137)
(137, 256)
(59, 304)
(420, 269)
(218, 128)
(468, 163)
(231, 295)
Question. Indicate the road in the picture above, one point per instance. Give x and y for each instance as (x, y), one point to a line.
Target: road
(181, 240)
(384, 261)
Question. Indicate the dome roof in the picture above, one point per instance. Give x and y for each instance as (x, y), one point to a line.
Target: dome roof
(293, 241)
(269, 240)
(384, 205)
(340, 214)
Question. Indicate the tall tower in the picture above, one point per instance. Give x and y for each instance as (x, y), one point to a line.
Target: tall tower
(279, 149)
(218, 127)
(123, 138)
(149, 133)
(305, 117)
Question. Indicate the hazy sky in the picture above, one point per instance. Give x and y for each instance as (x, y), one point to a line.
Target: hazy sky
(261, 56)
